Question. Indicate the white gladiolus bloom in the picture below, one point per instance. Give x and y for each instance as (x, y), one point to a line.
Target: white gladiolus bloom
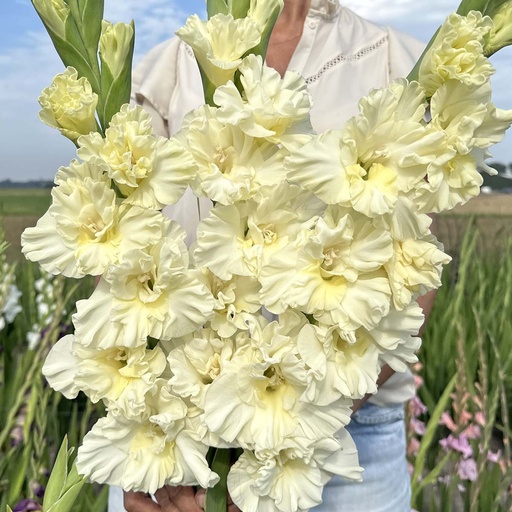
(84, 229)
(455, 183)
(119, 375)
(472, 124)
(150, 293)
(11, 306)
(270, 107)
(333, 272)
(233, 299)
(197, 363)
(255, 402)
(339, 365)
(241, 239)
(220, 43)
(151, 171)
(384, 150)
(69, 104)
(415, 268)
(231, 165)
(458, 53)
(144, 456)
(221, 246)
(406, 222)
(291, 479)
(60, 367)
(397, 336)
(275, 218)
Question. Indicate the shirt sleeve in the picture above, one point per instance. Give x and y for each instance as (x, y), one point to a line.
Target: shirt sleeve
(153, 83)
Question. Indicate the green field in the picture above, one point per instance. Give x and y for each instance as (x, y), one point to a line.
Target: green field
(30, 202)
(19, 209)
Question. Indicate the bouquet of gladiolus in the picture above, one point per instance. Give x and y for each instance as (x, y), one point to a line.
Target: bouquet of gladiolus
(327, 232)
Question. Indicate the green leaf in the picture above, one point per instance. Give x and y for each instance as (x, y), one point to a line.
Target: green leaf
(428, 438)
(214, 7)
(208, 87)
(239, 8)
(102, 500)
(19, 474)
(88, 15)
(58, 477)
(31, 409)
(216, 497)
(262, 47)
(92, 16)
(486, 7)
(65, 503)
(471, 5)
(73, 478)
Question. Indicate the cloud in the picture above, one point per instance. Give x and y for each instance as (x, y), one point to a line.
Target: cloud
(384, 10)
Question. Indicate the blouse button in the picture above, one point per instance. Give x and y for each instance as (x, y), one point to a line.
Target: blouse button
(312, 24)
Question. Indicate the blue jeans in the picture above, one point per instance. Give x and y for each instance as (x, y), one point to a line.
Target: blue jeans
(379, 434)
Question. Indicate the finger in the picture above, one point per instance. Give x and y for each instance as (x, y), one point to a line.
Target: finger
(200, 498)
(181, 497)
(233, 508)
(139, 502)
(164, 501)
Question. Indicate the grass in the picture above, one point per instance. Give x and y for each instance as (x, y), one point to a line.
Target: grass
(468, 336)
(15, 202)
(20, 209)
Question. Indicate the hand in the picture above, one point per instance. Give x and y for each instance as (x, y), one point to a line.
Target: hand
(170, 499)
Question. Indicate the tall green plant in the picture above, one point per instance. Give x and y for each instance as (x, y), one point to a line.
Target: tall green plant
(34, 418)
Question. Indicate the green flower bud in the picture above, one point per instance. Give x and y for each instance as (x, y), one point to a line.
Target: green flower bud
(54, 14)
(116, 45)
(501, 34)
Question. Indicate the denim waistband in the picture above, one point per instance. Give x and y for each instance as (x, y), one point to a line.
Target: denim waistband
(371, 414)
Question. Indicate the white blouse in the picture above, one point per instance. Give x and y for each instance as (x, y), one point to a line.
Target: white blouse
(340, 55)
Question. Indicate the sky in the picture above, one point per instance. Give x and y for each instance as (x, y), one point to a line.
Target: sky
(29, 150)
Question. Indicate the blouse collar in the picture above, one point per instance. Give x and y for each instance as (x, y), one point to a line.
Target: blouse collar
(324, 8)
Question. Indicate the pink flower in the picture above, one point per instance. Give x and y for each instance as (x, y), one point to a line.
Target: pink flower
(467, 469)
(480, 418)
(418, 381)
(446, 419)
(418, 426)
(459, 444)
(472, 431)
(417, 406)
(413, 447)
(465, 417)
(494, 457)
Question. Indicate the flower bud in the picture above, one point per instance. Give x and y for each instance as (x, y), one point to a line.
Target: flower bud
(220, 43)
(501, 34)
(116, 43)
(69, 105)
(262, 12)
(54, 14)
